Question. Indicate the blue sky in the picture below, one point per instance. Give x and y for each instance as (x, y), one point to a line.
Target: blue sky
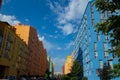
(56, 22)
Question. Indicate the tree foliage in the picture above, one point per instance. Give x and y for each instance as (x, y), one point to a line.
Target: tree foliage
(73, 78)
(76, 69)
(116, 70)
(111, 26)
(108, 5)
(66, 77)
(84, 78)
(47, 75)
(106, 73)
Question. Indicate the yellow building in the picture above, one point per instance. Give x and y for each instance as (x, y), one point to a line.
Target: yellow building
(68, 63)
(12, 52)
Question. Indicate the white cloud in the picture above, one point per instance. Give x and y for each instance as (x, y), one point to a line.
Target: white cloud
(56, 31)
(55, 7)
(59, 62)
(59, 48)
(55, 37)
(51, 36)
(10, 19)
(5, 1)
(46, 43)
(71, 14)
(75, 9)
(70, 44)
(41, 37)
(67, 29)
(27, 20)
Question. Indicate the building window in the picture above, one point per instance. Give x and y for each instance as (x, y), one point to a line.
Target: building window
(98, 36)
(8, 45)
(95, 46)
(105, 46)
(10, 37)
(105, 50)
(21, 49)
(109, 14)
(92, 14)
(96, 54)
(106, 54)
(110, 63)
(95, 50)
(101, 64)
(91, 64)
(102, 16)
(106, 37)
(6, 54)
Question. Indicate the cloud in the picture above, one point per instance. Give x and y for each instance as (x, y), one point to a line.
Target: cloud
(56, 31)
(59, 48)
(70, 44)
(75, 9)
(55, 36)
(27, 20)
(5, 1)
(68, 16)
(10, 19)
(51, 35)
(67, 29)
(59, 62)
(41, 38)
(55, 7)
(46, 43)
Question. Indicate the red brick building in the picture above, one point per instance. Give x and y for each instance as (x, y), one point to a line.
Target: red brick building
(43, 59)
(36, 61)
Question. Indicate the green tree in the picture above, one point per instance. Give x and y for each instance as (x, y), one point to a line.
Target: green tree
(47, 74)
(84, 78)
(106, 73)
(66, 77)
(74, 78)
(76, 69)
(116, 70)
(111, 26)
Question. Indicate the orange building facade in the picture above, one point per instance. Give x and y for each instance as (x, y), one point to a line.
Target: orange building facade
(36, 61)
